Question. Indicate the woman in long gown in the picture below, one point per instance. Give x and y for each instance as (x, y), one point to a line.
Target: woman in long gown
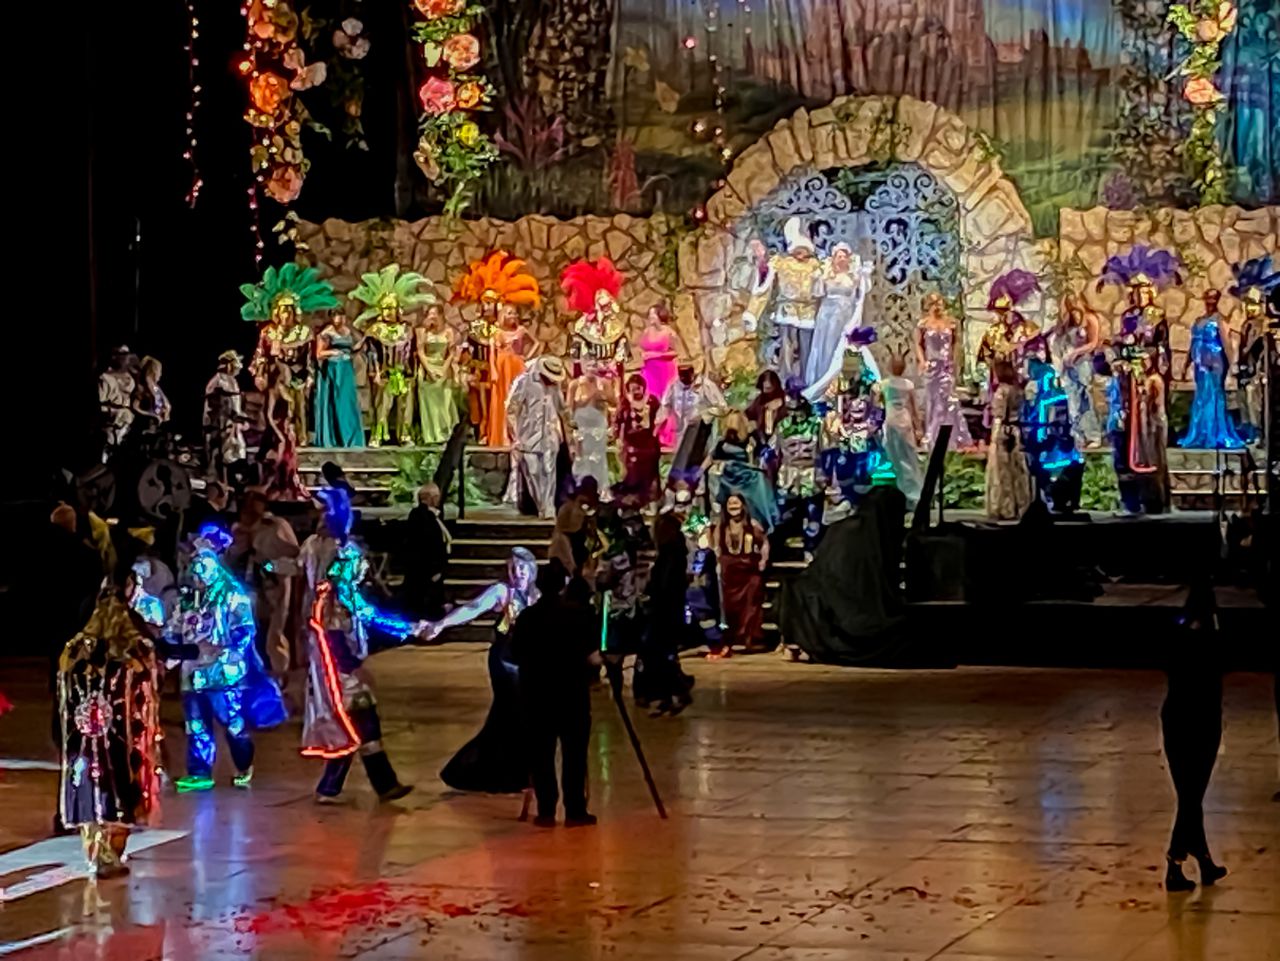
(840, 285)
(589, 411)
(658, 346)
(338, 421)
(937, 357)
(278, 452)
(512, 346)
(636, 426)
(737, 475)
(494, 761)
(1210, 424)
(742, 552)
(1008, 486)
(901, 444)
(437, 391)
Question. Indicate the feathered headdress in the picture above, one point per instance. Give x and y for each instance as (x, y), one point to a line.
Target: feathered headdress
(499, 278)
(861, 337)
(582, 282)
(1141, 266)
(389, 286)
(1254, 279)
(1012, 288)
(300, 286)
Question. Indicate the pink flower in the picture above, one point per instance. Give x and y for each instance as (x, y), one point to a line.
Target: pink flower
(435, 9)
(284, 184)
(437, 96)
(461, 52)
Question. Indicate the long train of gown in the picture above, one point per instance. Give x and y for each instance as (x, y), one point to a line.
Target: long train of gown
(494, 761)
(1210, 424)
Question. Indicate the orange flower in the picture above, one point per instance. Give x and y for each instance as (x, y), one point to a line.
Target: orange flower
(1201, 91)
(284, 184)
(461, 51)
(267, 90)
(435, 9)
(469, 95)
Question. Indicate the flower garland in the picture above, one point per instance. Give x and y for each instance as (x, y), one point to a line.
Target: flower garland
(277, 70)
(1205, 24)
(453, 152)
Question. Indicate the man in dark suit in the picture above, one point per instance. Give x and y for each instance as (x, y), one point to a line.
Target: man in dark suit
(427, 549)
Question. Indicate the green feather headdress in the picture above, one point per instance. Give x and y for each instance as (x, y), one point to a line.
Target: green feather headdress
(389, 286)
(302, 285)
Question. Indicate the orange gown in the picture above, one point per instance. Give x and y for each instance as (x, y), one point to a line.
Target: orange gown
(507, 365)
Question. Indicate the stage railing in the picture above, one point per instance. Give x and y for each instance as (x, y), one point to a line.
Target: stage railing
(933, 479)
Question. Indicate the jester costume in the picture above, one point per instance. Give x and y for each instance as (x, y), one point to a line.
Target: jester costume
(498, 280)
(280, 302)
(1140, 365)
(598, 343)
(227, 685)
(341, 718)
(387, 296)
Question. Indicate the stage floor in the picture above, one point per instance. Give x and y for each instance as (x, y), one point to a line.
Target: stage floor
(818, 814)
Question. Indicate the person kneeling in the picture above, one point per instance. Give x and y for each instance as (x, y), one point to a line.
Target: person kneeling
(554, 644)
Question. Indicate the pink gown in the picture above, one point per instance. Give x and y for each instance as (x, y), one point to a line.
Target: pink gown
(659, 371)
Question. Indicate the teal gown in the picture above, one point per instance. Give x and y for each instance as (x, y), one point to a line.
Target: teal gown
(337, 403)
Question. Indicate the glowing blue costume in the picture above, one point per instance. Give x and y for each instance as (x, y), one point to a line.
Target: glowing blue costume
(229, 685)
(1210, 424)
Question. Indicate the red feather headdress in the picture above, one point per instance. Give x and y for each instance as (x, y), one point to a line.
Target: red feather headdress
(582, 280)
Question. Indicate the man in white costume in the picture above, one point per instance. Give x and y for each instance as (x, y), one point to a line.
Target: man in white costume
(790, 283)
(536, 422)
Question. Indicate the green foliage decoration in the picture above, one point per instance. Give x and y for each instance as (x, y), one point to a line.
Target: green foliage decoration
(1204, 24)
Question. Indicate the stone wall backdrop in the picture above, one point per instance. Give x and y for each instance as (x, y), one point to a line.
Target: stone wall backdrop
(644, 249)
(1207, 241)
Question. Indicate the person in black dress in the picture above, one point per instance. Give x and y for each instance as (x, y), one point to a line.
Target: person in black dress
(555, 644)
(1191, 722)
(494, 760)
(663, 681)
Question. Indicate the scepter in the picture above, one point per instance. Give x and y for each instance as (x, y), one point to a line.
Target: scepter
(614, 670)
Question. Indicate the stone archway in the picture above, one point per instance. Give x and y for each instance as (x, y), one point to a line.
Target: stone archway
(995, 229)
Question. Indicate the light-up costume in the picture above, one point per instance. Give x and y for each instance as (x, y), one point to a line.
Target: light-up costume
(227, 685)
(496, 281)
(851, 426)
(598, 344)
(1254, 280)
(280, 303)
(341, 717)
(1007, 337)
(789, 288)
(109, 702)
(389, 347)
(1139, 365)
(800, 484)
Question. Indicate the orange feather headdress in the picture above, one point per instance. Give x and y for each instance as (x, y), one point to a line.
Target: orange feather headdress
(499, 278)
(582, 282)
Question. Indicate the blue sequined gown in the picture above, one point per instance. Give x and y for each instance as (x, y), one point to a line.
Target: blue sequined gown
(1210, 424)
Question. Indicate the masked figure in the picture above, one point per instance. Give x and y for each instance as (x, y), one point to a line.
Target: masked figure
(494, 354)
(1139, 416)
(280, 302)
(227, 685)
(789, 286)
(388, 296)
(598, 343)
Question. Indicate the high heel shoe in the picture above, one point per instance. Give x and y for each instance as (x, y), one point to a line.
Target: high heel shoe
(1175, 880)
(1210, 873)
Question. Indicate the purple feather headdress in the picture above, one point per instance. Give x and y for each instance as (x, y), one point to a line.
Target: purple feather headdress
(1139, 263)
(1255, 274)
(861, 336)
(1017, 285)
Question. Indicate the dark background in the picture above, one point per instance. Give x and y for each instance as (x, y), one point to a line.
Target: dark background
(103, 246)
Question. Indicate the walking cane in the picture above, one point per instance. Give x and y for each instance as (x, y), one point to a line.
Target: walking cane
(614, 670)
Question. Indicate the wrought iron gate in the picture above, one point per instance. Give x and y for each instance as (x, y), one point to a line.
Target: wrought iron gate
(901, 219)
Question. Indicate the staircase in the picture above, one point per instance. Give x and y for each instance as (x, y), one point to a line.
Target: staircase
(371, 470)
(1196, 474)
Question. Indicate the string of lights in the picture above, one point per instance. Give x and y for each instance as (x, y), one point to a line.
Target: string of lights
(262, 137)
(193, 105)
